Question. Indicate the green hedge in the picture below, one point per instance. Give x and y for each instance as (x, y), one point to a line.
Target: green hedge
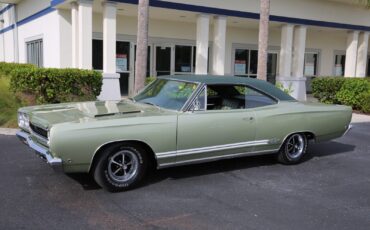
(7, 68)
(326, 88)
(365, 102)
(48, 85)
(347, 91)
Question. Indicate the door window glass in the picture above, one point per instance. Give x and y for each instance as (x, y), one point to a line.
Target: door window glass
(163, 60)
(148, 61)
(97, 54)
(241, 62)
(183, 56)
(253, 63)
(271, 67)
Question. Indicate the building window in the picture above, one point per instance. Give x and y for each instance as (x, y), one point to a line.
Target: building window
(310, 64)
(35, 53)
(339, 65)
(246, 61)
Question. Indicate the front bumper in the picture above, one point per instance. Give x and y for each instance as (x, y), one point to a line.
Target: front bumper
(41, 151)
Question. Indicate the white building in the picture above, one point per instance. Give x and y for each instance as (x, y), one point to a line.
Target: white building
(308, 38)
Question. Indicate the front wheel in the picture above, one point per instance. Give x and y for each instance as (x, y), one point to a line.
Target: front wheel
(120, 168)
(293, 149)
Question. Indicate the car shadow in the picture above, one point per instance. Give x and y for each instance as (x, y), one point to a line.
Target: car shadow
(327, 148)
(85, 179)
(181, 172)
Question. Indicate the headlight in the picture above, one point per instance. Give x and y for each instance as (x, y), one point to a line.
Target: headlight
(23, 121)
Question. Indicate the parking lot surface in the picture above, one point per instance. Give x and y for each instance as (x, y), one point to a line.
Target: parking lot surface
(329, 190)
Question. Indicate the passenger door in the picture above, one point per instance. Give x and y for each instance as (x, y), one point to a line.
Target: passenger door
(210, 134)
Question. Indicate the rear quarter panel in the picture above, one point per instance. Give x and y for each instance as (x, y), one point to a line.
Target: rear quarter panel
(278, 121)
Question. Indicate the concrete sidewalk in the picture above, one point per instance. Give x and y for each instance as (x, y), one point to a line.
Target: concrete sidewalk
(360, 118)
(356, 118)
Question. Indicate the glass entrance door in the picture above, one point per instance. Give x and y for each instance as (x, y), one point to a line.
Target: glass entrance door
(163, 60)
(272, 67)
(123, 65)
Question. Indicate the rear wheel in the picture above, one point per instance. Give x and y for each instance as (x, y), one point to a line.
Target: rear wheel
(293, 149)
(120, 168)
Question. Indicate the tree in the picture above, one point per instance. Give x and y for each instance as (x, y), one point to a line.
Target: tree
(142, 45)
(263, 38)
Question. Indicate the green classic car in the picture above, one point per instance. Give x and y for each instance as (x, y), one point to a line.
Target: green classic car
(177, 120)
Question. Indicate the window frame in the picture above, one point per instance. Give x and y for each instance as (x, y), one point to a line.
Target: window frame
(32, 45)
(188, 105)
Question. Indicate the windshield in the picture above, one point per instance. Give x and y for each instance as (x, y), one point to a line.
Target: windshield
(169, 94)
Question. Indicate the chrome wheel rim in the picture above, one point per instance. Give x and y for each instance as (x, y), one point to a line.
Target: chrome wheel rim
(123, 166)
(295, 145)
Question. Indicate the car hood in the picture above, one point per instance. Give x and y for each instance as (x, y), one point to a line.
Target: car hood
(48, 115)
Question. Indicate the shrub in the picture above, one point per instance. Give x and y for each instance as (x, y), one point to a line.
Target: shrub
(7, 68)
(289, 90)
(326, 88)
(365, 102)
(48, 85)
(351, 92)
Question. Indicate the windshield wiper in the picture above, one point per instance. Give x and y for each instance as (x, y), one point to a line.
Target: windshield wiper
(131, 99)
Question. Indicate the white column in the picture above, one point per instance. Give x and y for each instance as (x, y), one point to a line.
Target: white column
(292, 60)
(15, 32)
(363, 44)
(285, 63)
(2, 50)
(201, 65)
(74, 17)
(299, 47)
(85, 34)
(219, 45)
(111, 87)
(351, 54)
(109, 37)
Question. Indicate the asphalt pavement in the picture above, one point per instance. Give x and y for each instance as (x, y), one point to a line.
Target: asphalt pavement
(329, 190)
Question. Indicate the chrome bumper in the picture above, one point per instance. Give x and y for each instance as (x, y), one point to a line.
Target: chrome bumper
(348, 129)
(41, 151)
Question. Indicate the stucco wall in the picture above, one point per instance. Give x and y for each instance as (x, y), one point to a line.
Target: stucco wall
(47, 28)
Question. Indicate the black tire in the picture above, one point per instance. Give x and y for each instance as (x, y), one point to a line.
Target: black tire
(108, 163)
(293, 149)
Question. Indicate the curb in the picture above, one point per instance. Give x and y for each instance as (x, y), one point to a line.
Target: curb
(7, 131)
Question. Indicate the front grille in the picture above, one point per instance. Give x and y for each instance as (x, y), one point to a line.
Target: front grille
(39, 131)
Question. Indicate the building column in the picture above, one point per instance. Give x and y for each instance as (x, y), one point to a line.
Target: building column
(299, 47)
(111, 87)
(219, 45)
(292, 60)
(351, 54)
(85, 34)
(74, 17)
(201, 65)
(285, 62)
(363, 44)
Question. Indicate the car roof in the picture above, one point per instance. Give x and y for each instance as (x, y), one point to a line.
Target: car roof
(260, 85)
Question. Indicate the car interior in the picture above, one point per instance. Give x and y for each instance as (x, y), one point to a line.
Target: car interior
(227, 97)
